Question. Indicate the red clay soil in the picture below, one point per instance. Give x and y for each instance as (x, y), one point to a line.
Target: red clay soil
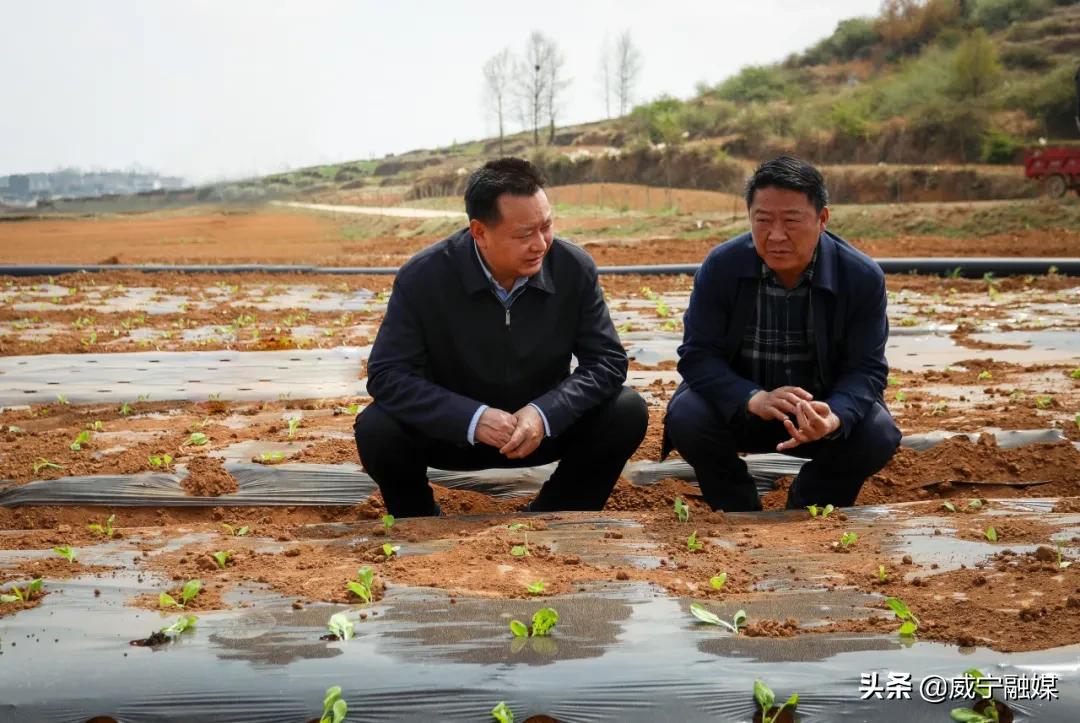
(207, 477)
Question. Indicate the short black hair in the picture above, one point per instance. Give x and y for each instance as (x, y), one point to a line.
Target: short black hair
(792, 174)
(515, 176)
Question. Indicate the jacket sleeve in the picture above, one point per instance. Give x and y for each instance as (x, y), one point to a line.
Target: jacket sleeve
(702, 357)
(601, 368)
(863, 372)
(397, 378)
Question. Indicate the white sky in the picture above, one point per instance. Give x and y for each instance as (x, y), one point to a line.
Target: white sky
(225, 88)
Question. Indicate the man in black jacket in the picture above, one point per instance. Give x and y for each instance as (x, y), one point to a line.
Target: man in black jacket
(471, 366)
(784, 350)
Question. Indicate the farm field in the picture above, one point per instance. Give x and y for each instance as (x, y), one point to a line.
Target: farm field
(185, 416)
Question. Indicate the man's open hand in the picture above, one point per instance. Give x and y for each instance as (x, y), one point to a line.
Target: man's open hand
(815, 419)
(778, 403)
(495, 427)
(527, 435)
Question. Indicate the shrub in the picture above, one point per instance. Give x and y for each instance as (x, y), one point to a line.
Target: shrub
(997, 14)
(853, 38)
(1025, 57)
(756, 83)
(999, 147)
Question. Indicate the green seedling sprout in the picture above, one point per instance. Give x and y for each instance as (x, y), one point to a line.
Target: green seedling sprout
(107, 529)
(361, 587)
(716, 582)
(521, 550)
(96, 426)
(1062, 564)
(182, 623)
(821, 512)
(692, 542)
(294, 424)
(543, 620)
(61, 399)
(848, 539)
(334, 709)
(187, 594)
(387, 522)
(682, 510)
(909, 623)
(69, 554)
(881, 574)
(160, 461)
(197, 439)
(949, 506)
(984, 375)
(143, 398)
(892, 381)
(975, 504)
(235, 531)
(43, 463)
(766, 699)
(222, 557)
(1075, 373)
(340, 625)
(1044, 401)
(271, 456)
(991, 534)
(706, 616)
(535, 588)
(518, 526)
(23, 595)
(900, 396)
(82, 438)
(125, 409)
(389, 550)
(502, 713)
(968, 715)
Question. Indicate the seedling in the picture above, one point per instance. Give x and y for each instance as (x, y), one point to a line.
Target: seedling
(766, 699)
(821, 512)
(340, 625)
(361, 587)
(334, 708)
(975, 504)
(521, 550)
(96, 426)
(143, 398)
(387, 522)
(900, 396)
(271, 457)
(182, 623)
(705, 616)
(23, 595)
(535, 588)
(984, 375)
(1062, 564)
(222, 557)
(949, 506)
(543, 620)
(518, 526)
(682, 510)
(881, 574)
(389, 550)
(160, 461)
(1075, 373)
(107, 529)
(991, 534)
(236, 531)
(909, 623)
(125, 409)
(43, 463)
(82, 438)
(692, 542)
(187, 594)
(61, 399)
(68, 553)
(294, 424)
(197, 439)
(1044, 401)
(502, 713)
(352, 409)
(848, 539)
(214, 397)
(716, 582)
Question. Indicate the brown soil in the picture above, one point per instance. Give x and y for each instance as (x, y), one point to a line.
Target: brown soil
(207, 477)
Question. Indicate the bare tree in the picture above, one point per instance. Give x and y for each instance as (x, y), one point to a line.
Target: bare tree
(556, 84)
(497, 76)
(540, 84)
(627, 70)
(603, 76)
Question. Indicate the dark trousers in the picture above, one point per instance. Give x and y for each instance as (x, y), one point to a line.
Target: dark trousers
(592, 453)
(835, 473)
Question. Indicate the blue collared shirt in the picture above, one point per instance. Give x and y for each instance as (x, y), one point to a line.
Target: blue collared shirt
(507, 298)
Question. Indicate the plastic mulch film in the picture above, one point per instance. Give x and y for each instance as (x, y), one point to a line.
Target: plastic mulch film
(620, 652)
(347, 484)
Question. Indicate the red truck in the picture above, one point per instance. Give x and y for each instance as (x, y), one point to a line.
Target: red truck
(1057, 167)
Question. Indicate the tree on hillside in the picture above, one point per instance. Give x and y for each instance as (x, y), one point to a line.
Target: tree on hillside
(976, 69)
(627, 69)
(556, 84)
(532, 82)
(498, 71)
(604, 75)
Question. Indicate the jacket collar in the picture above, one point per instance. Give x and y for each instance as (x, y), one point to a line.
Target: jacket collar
(463, 254)
(825, 276)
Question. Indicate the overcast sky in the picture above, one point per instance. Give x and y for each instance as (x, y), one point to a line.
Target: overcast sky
(209, 89)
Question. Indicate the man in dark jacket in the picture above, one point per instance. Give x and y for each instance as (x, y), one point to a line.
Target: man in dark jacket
(471, 366)
(784, 350)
